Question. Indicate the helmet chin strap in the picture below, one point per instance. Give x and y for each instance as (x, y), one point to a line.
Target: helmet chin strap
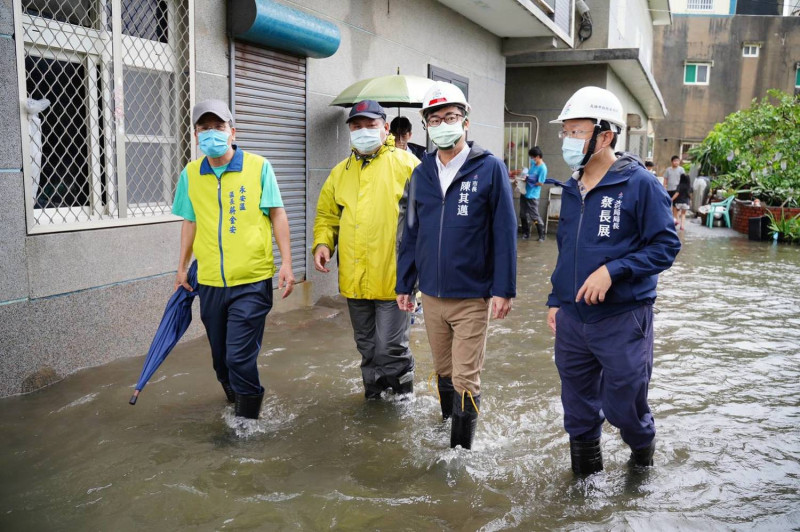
(589, 150)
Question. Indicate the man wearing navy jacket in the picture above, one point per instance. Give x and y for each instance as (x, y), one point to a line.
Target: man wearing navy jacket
(615, 236)
(460, 241)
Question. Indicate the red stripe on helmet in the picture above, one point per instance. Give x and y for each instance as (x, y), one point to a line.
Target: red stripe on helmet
(437, 100)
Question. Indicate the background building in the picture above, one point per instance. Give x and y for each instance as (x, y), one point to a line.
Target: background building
(711, 66)
(613, 49)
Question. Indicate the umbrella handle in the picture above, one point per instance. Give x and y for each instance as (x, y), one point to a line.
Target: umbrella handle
(134, 397)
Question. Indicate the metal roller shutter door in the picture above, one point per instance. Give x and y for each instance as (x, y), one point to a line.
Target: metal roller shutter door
(270, 112)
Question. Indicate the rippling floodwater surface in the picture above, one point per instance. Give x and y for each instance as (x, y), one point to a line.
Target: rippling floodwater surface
(725, 394)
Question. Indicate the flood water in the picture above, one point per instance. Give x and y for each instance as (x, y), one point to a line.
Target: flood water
(725, 394)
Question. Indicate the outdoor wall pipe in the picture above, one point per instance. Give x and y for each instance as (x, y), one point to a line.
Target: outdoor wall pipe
(268, 23)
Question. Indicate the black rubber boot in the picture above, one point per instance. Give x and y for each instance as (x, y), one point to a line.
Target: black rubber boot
(464, 420)
(405, 388)
(643, 457)
(587, 457)
(446, 393)
(374, 390)
(540, 230)
(404, 384)
(248, 406)
(229, 393)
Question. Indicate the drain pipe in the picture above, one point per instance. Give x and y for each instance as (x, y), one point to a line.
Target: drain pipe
(232, 76)
(536, 118)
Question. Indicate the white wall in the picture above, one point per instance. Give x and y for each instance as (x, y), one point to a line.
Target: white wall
(631, 26)
(629, 105)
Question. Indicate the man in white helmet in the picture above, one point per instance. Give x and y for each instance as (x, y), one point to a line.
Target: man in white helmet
(615, 236)
(460, 240)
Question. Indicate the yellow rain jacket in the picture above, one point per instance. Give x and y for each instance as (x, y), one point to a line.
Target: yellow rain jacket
(357, 211)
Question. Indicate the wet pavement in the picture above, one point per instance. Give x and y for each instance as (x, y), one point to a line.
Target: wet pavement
(725, 393)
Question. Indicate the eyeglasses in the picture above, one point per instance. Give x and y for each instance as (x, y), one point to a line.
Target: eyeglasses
(574, 134)
(449, 118)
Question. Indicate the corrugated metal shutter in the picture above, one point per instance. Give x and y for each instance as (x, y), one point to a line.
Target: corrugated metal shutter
(270, 112)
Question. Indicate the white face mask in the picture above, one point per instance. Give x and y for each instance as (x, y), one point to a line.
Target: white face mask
(572, 151)
(445, 136)
(365, 140)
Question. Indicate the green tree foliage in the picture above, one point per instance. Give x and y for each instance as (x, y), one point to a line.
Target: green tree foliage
(757, 149)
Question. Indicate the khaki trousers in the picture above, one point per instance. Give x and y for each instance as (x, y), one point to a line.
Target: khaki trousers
(457, 334)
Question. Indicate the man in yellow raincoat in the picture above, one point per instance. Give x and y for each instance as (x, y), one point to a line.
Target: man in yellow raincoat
(357, 213)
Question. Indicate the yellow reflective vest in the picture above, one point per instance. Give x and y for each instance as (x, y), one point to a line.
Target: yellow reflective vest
(357, 212)
(233, 242)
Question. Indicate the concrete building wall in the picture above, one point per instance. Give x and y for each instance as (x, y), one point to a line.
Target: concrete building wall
(77, 299)
(13, 275)
(543, 91)
(733, 80)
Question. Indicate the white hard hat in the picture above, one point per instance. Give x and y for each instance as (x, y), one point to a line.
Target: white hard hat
(593, 103)
(441, 94)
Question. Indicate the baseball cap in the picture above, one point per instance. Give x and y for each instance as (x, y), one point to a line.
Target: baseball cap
(367, 108)
(215, 107)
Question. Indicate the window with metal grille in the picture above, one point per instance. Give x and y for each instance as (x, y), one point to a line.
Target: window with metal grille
(696, 73)
(107, 84)
(517, 142)
(700, 5)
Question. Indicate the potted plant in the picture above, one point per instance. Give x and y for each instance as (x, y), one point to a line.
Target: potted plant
(784, 229)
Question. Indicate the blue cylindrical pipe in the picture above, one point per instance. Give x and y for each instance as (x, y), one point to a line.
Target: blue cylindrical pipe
(271, 24)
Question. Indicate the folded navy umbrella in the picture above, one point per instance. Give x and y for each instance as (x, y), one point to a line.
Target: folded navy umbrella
(176, 319)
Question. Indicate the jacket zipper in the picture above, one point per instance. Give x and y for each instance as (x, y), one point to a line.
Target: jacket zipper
(575, 267)
(439, 254)
(219, 231)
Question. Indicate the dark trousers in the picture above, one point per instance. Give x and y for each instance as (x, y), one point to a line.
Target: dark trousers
(234, 319)
(605, 370)
(529, 211)
(380, 330)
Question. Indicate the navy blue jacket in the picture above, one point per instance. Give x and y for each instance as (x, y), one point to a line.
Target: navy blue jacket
(464, 244)
(625, 223)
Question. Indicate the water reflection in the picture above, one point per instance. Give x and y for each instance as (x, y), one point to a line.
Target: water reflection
(724, 392)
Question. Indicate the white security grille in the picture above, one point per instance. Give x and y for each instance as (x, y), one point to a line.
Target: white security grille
(517, 138)
(700, 5)
(107, 84)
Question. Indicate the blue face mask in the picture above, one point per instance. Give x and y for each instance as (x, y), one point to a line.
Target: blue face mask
(214, 143)
(365, 140)
(572, 151)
